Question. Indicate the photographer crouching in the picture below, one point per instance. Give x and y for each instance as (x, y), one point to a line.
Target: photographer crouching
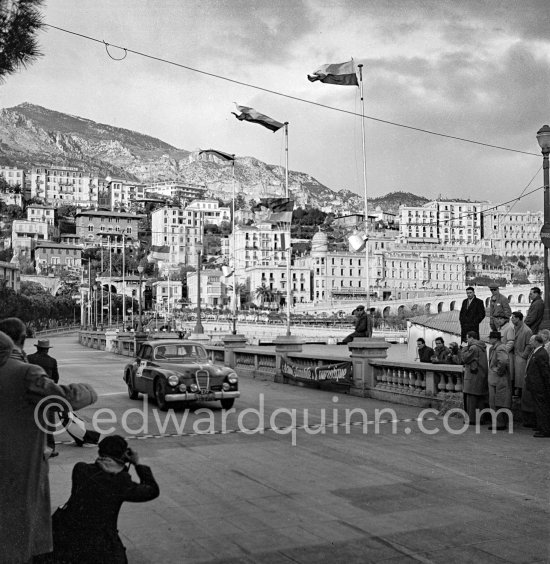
(85, 528)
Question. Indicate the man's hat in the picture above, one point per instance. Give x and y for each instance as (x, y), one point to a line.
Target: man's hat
(360, 308)
(43, 344)
(493, 286)
(495, 335)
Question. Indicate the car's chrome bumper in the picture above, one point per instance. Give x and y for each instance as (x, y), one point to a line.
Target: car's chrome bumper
(211, 396)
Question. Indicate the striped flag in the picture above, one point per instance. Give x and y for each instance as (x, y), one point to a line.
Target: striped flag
(342, 74)
(159, 253)
(251, 115)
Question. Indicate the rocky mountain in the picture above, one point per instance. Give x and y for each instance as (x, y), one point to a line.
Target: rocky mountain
(31, 135)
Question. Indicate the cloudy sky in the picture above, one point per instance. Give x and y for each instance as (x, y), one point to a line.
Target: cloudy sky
(478, 69)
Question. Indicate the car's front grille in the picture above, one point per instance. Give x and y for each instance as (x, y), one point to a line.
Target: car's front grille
(202, 379)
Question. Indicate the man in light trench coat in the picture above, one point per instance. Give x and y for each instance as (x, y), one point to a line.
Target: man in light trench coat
(25, 513)
(500, 384)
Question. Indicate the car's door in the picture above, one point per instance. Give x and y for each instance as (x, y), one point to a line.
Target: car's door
(143, 372)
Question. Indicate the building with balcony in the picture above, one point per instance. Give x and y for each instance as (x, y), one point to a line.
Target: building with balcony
(25, 235)
(442, 222)
(118, 194)
(55, 257)
(211, 211)
(180, 229)
(213, 288)
(173, 190)
(514, 233)
(114, 230)
(47, 214)
(59, 186)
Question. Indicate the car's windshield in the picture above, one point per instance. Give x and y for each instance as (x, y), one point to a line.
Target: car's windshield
(177, 351)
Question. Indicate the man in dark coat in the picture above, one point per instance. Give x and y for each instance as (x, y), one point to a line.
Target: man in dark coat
(49, 364)
(472, 313)
(476, 386)
(536, 310)
(25, 513)
(424, 352)
(85, 531)
(363, 325)
(537, 381)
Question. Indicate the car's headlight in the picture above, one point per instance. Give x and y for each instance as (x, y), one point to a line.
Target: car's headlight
(173, 380)
(232, 378)
(193, 387)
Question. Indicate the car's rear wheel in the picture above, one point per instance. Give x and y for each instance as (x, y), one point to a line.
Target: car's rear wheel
(133, 394)
(160, 394)
(227, 403)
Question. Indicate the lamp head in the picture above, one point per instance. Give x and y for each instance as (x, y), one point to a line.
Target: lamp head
(227, 271)
(357, 242)
(141, 269)
(543, 137)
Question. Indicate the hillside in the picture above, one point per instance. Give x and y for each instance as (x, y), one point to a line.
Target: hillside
(31, 135)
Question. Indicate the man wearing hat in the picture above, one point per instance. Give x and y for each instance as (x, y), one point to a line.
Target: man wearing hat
(500, 382)
(499, 309)
(49, 364)
(43, 359)
(363, 325)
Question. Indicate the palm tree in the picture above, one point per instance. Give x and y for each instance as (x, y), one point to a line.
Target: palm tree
(264, 293)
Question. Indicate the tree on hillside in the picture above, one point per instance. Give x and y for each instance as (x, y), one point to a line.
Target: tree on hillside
(20, 20)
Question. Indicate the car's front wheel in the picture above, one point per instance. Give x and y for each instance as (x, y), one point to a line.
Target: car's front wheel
(227, 403)
(133, 394)
(160, 394)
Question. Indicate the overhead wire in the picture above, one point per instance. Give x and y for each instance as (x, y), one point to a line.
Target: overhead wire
(284, 95)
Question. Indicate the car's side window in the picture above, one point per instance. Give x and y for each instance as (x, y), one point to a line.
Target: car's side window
(146, 352)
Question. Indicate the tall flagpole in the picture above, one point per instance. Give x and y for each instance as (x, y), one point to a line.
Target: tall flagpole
(367, 276)
(123, 282)
(234, 329)
(289, 246)
(110, 280)
(102, 270)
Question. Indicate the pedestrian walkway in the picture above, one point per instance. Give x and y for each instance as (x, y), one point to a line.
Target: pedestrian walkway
(336, 497)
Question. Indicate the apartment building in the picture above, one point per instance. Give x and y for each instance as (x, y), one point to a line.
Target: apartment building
(117, 194)
(116, 230)
(13, 176)
(180, 229)
(47, 214)
(514, 233)
(26, 234)
(442, 222)
(59, 186)
(211, 211)
(53, 257)
(184, 192)
(213, 288)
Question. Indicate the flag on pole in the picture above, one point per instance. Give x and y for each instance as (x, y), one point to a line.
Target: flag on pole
(159, 253)
(251, 115)
(219, 154)
(342, 74)
(274, 204)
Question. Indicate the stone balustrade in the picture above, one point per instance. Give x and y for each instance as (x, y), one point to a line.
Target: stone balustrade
(370, 373)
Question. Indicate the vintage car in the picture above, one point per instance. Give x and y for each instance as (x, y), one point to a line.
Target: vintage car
(173, 370)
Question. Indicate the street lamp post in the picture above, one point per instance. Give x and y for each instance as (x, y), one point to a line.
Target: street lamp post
(140, 270)
(543, 137)
(199, 329)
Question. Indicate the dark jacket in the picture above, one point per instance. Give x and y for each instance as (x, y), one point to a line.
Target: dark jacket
(425, 354)
(86, 530)
(441, 355)
(537, 373)
(362, 325)
(48, 363)
(471, 317)
(534, 316)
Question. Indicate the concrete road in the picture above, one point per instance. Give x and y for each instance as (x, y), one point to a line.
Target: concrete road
(296, 475)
